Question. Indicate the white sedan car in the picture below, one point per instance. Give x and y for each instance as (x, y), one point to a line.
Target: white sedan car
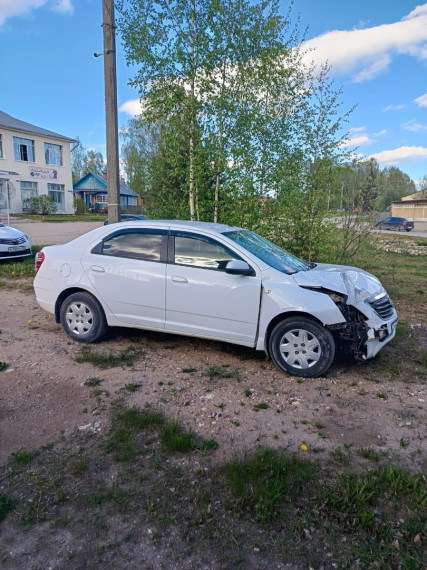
(218, 282)
(13, 243)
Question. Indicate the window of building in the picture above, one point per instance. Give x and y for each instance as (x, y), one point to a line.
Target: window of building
(53, 154)
(102, 199)
(57, 193)
(28, 190)
(23, 149)
(1, 146)
(202, 252)
(143, 245)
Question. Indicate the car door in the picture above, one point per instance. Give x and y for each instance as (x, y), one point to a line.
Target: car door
(128, 270)
(202, 299)
(387, 224)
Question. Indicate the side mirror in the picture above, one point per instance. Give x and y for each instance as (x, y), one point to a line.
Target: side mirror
(238, 267)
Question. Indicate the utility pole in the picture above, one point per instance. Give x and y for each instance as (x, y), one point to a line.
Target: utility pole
(112, 131)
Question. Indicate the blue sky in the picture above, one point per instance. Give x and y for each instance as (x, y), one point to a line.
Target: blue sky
(377, 50)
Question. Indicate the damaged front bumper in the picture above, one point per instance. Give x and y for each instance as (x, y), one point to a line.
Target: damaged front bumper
(370, 325)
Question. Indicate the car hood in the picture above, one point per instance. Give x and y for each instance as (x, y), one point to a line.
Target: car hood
(6, 232)
(357, 284)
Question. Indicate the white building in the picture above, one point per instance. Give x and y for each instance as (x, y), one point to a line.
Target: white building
(33, 162)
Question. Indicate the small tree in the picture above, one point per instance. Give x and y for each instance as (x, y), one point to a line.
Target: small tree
(42, 205)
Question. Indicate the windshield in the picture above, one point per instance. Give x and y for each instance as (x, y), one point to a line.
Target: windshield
(268, 252)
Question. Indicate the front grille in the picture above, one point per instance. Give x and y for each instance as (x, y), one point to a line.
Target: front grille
(16, 241)
(4, 254)
(383, 307)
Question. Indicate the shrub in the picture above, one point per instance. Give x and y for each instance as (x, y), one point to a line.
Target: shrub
(43, 205)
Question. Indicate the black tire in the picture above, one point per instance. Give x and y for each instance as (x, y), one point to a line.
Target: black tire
(83, 318)
(304, 333)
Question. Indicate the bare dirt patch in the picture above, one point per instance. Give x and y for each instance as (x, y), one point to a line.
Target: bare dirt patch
(213, 388)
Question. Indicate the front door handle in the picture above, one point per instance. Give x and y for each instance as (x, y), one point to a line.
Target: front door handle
(176, 279)
(97, 269)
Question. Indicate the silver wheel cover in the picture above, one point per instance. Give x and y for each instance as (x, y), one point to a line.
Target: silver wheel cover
(79, 318)
(300, 349)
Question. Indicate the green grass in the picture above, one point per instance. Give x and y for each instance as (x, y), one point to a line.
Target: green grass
(221, 372)
(93, 382)
(111, 359)
(175, 439)
(23, 457)
(267, 482)
(7, 504)
(261, 406)
(3, 365)
(17, 269)
(64, 217)
(132, 387)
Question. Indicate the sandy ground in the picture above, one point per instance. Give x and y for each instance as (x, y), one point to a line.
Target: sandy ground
(43, 393)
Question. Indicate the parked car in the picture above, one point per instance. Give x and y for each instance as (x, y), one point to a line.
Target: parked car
(394, 223)
(128, 218)
(217, 282)
(14, 244)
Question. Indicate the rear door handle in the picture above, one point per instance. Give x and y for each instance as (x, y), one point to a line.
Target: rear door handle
(97, 269)
(176, 279)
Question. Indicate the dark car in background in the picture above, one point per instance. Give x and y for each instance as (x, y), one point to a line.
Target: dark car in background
(129, 218)
(394, 223)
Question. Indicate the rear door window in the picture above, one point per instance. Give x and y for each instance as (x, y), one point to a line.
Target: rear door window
(135, 244)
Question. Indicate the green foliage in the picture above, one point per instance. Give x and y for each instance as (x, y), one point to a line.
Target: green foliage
(268, 481)
(232, 130)
(111, 359)
(175, 438)
(7, 504)
(84, 161)
(3, 365)
(43, 205)
(221, 372)
(22, 457)
(79, 206)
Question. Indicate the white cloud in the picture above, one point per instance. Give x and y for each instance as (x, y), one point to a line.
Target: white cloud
(380, 133)
(361, 140)
(11, 8)
(413, 126)
(421, 101)
(393, 108)
(132, 108)
(62, 6)
(400, 155)
(364, 53)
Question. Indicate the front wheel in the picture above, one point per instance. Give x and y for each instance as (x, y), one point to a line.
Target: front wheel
(302, 347)
(83, 318)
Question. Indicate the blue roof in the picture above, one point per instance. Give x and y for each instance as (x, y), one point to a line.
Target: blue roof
(79, 186)
(8, 122)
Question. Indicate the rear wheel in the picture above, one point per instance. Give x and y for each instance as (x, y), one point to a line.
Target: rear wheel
(83, 318)
(302, 347)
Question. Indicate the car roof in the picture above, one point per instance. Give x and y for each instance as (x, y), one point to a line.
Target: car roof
(180, 224)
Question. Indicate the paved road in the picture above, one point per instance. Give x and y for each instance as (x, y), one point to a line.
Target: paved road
(50, 233)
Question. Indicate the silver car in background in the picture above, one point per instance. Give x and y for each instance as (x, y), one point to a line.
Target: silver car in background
(14, 244)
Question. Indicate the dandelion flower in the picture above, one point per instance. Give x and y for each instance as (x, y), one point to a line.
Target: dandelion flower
(304, 447)
(30, 321)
